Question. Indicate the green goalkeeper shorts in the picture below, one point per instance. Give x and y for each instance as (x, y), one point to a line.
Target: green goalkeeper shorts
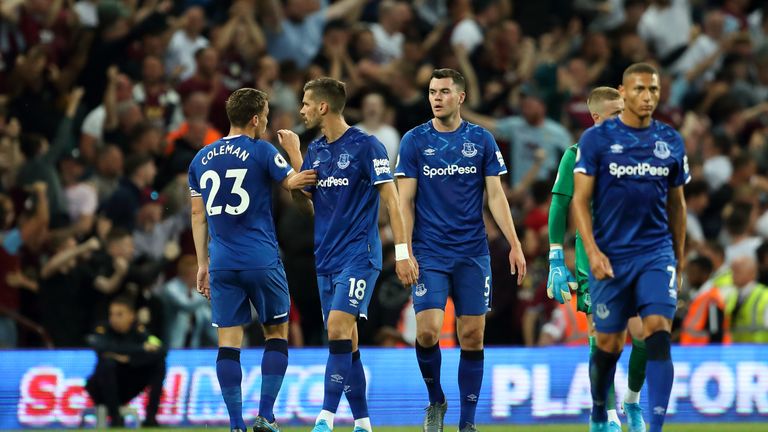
(584, 301)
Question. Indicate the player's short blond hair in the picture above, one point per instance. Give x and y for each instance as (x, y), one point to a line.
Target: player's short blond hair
(601, 94)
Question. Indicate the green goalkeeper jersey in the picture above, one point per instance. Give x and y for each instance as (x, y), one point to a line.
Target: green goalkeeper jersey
(564, 186)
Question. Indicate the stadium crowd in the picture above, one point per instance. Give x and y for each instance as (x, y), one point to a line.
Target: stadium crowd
(104, 103)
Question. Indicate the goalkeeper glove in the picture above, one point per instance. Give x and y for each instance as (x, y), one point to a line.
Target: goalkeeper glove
(560, 281)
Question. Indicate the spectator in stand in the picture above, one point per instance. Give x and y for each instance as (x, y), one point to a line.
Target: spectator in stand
(185, 43)
(121, 208)
(375, 114)
(188, 314)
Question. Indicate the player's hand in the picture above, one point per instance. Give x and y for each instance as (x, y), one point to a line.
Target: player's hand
(203, 286)
(302, 179)
(560, 280)
(407, 272)
(289, 140)
(600, 266)
(517, 263)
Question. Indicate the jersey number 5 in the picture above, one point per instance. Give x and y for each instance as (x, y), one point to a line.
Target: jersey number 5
(212, 177)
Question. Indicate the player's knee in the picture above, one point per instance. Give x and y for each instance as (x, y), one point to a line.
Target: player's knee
(339, 329)
(611, 342)
(276, 331)
(428, 337)
(658, 346)
(471, 338)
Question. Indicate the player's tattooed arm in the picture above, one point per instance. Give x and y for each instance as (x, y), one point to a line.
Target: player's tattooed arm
(499, 206)
(582, 213)
(404, 263)
(676, 212)
(200, 236)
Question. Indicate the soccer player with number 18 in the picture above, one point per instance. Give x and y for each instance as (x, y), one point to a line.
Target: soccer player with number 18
(631, 170)
(230, 182)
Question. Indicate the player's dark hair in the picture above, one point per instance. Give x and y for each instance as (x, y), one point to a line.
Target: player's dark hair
(458, 78)
(245, 103)
(328, 90)
(695, 188)
(639, 68)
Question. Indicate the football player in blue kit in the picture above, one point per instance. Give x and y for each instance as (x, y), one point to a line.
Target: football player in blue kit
(444, 167)
(230, 182)
(632, 170)
(352, 174)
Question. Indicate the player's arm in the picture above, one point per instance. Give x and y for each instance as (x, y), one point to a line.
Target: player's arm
(406, 188)
(406, 270)
(583, 187)
(560, 280)
(676, 212)
(200, 236)
(296, 179)
(499, 206)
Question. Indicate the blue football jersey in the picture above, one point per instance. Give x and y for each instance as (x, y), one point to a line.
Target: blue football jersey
(633, 170)
(234, 177)
(346, 199)
(451, 168)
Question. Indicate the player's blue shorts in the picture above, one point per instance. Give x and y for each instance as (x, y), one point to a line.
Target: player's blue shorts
(233, 292)
(466, 279)
(646, 284)
(349, 290)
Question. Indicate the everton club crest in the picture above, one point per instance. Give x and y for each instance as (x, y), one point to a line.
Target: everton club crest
(469, 150)
(343, 162)
(661, 150)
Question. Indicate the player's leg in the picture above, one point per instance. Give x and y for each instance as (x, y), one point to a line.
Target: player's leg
(472, 298)
(657, 299)
(429, 297)
(611, 308)
(635, 376)
(344, 301)
(230, 309)
(355, 388)
(268, 292)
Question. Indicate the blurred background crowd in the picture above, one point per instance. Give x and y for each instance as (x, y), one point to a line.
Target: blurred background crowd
(103, 104)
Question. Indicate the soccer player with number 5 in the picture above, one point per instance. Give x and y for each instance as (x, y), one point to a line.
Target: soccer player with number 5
(230, 182)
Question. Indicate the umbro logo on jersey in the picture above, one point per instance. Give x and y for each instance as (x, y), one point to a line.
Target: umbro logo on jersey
(316, 163)
(661, 150)
(469, 150)
(338, 379)
(429, 151)
(617, 148)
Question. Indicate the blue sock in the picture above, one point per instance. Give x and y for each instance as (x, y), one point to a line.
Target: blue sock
(229, 373)
(336, 371)
(470, 382)
(602, 368)
(355, 388)
(660, 374)
(430, 360)
(273, 365)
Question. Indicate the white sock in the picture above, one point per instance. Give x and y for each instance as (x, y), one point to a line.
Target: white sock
(364, 423)
(327, 416)
(613, 416)
(632, 397)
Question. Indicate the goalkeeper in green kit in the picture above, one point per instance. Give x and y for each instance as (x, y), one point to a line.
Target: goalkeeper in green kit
(603, 103)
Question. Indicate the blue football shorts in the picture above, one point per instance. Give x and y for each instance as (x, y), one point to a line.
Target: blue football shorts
(466, 279)
(645, 284)
(349, 290)
(233, 292)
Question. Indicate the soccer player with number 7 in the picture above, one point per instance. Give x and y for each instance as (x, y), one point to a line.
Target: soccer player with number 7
(230, 182)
